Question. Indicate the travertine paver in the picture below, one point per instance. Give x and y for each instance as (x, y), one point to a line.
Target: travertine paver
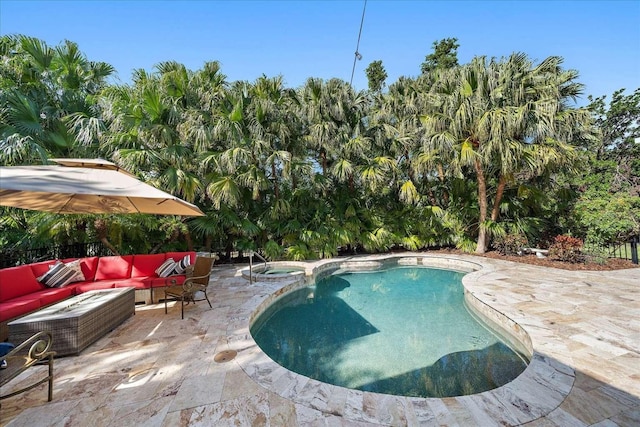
(158, 370)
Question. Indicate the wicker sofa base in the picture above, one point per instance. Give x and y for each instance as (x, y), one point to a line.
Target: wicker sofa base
(77, 322)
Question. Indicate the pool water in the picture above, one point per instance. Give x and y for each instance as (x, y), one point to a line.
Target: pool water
(403, 331)
(281, 270)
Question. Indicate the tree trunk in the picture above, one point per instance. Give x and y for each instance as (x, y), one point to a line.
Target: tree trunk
(432, 196)
(445, 194)
(101, 230)
(483, 205)
(109, 246)
(323, 157)
(495, 212)
(187, 237)
(276, 189)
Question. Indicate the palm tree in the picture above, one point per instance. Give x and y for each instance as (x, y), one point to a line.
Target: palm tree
(503, 121)
(47, 102)
(163, 124)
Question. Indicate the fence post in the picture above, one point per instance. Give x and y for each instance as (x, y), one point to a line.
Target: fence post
(634, 249)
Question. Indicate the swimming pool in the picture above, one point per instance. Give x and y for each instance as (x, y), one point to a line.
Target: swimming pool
(399, 330)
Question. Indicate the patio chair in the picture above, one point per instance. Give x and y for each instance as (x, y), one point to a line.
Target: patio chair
(197, 281)
(34, 350)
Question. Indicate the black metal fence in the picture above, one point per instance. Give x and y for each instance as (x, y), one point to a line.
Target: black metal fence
(624, 250)
(12, 258)
(633, 248)
(628, 250)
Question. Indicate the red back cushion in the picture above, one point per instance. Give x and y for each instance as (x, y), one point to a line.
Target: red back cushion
(114, 267)
(18, 281)
(39, 268)
(177, 256)
(87, 265)
(145, 265)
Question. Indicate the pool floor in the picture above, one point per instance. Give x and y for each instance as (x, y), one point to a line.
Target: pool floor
(402, 331)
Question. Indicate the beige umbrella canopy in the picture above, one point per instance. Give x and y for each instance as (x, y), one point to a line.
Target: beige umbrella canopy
(99, 188)
(91, 163)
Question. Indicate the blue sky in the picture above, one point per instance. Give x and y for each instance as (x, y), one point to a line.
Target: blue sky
(301, 39)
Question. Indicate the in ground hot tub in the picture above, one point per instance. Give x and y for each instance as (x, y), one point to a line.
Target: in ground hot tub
(274, 271)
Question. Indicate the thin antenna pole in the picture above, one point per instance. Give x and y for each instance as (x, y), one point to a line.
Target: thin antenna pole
(357, 55)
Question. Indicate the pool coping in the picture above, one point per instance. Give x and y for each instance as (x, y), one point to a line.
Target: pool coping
(538, 391)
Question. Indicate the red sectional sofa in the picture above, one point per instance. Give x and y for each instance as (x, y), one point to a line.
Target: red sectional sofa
(21, 293)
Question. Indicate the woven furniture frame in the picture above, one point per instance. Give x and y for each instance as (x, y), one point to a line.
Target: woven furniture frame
(79, 321)
(197, 281)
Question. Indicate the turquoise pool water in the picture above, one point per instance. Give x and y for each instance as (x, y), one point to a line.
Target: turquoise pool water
(281, 270)
(403, 331)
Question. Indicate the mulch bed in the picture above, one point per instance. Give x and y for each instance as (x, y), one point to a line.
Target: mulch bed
(611, 263)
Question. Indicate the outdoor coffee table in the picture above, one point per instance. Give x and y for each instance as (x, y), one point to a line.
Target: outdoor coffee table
(77, 322)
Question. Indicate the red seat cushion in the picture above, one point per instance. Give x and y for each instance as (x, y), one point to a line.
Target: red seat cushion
(131, 283)
(13, 309)
(18, 281)
(114, 267)
(53, 295)
(146, 265)
(48, 296)
(82, 287)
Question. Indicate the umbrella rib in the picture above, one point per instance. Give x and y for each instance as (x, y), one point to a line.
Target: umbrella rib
(133, 204)
(62, 209)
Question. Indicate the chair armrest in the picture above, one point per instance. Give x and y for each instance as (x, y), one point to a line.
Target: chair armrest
(39, 346)
(189, 286)
(169, 282)
(39, 343)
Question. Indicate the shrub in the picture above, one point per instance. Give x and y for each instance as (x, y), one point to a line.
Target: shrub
(510, 244)
(567, 248)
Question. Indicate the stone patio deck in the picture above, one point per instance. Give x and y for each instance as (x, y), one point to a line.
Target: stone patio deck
(159, 370)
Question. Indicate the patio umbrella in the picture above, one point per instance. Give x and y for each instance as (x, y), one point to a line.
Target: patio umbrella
(95, 189)
(91, 163)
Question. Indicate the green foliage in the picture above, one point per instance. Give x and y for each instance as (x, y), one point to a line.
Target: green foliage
(510, 244)
(308, 172)
(273, 250)
(607, 210)
(41, 88)
(376, 76)
(299, 252)
(595, 254)
(619, 127)
(607, 219)
(445, 55)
